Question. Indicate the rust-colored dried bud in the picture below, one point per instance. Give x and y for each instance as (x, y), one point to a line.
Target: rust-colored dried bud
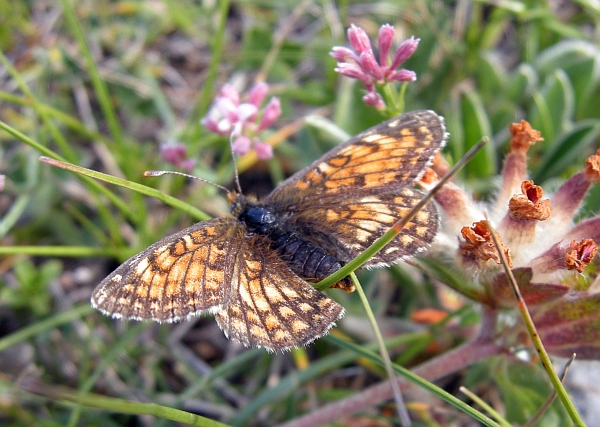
(480, 244)
(523, 136)
(429, 177)
(529, 205)
(591, 170)
(579, 255)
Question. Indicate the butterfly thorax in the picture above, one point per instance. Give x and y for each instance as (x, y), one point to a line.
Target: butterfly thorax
(304, 257)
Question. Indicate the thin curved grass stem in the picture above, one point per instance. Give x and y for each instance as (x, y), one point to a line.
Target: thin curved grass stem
(400, 406)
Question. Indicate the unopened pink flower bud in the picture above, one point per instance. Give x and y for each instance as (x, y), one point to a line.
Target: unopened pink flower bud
(230, 92)
(257, 93)
(263, 150)
(353, 71)
(385, 40)
(359, 39)
(370, 66)
(211, 124)
(271, 114)
(241, 145)
(375, 100)
(404, 51)
(402, 76)
(342, 54)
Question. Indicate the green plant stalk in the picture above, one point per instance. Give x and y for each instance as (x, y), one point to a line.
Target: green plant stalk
(542, 410)
(385, 356)
(57, 251)
(46, 151)
(108, 358)
(142, 189)
(13, 215)
(44, 325)
(535, 338)
(486, 407)
(389, 235)
(97, 82)
(56, 134)
(67, 396)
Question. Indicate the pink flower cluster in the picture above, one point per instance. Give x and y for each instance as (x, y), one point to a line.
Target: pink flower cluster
(243, 121)
(361, 63)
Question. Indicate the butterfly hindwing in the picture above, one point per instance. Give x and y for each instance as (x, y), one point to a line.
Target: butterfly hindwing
(271, 306)
(183, 275)
(351, 226)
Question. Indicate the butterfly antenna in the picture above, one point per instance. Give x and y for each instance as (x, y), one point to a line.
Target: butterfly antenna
(149, 174)
(236, 174)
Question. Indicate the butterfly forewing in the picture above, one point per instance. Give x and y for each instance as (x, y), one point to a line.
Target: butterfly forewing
(271, 306)
(182, 275)
(384, 158)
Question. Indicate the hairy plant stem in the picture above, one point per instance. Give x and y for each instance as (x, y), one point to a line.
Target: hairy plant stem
(478, 349)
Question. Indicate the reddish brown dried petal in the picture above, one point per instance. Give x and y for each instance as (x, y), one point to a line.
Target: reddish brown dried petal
(479, 244)
(579, 254)
(591, 170)
(529, 205)
(523, 136)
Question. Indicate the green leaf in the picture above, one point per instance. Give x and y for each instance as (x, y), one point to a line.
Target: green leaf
(522, 83)
(476, 125)
(524, 389)
(567, 149)
(490, 75)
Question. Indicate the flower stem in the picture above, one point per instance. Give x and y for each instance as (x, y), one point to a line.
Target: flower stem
(535, 338)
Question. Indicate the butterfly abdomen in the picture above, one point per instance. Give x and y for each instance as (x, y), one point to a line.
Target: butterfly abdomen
(304, 257)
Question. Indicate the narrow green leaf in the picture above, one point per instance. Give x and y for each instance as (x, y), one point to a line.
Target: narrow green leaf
(567, 150)
(476, 125)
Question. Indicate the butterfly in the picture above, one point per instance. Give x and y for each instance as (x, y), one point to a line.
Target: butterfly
(250, 268)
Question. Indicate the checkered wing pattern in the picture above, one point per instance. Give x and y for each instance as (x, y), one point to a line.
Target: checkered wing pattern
(382, 159)
(186, 274)
(271, 306)
(351, 226)
(342, 203)
(214, 267)
(353, 194)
